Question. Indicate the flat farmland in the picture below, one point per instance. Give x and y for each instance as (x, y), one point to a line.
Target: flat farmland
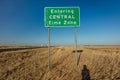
(31, 63)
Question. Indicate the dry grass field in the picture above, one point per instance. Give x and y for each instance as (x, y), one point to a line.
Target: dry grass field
(31, 63)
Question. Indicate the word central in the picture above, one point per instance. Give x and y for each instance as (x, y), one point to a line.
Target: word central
(61, 17)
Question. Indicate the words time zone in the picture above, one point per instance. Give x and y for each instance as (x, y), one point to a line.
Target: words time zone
(65, 22)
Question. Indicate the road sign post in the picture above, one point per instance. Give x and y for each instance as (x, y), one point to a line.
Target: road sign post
(49, 48)
(75, 34)
(62, 17)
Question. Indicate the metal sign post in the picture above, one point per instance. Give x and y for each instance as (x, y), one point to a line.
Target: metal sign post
(49, 48)
(75, 34)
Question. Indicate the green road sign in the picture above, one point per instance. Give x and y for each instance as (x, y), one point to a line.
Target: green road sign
(62, 16)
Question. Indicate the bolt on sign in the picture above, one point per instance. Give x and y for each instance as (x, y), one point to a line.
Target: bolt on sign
(62, 16)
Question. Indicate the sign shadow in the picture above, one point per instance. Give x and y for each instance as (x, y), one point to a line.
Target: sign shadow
(80, 53)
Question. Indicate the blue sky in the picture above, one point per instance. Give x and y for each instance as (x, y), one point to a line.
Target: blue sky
(22, 22)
